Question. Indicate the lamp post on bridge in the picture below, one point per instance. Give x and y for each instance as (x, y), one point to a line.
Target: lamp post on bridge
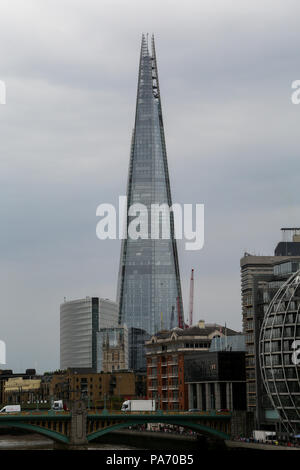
(20, 395)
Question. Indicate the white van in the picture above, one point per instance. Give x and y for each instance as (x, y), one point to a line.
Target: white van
(11, 409)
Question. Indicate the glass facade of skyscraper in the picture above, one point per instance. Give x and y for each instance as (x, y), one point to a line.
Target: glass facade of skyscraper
(149, 282)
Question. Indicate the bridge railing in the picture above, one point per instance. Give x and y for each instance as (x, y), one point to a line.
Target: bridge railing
(119, 413)
(159, 412)
(36, 413)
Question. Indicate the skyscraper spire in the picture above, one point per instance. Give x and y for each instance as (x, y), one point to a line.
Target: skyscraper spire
(144, 48)
(149, 280)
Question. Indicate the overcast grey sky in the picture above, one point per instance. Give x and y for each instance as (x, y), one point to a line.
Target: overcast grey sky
(232, 133)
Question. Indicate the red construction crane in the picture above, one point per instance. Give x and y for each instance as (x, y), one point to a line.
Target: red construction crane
(191, 299)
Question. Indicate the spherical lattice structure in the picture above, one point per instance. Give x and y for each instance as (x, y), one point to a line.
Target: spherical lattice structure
(279, 347)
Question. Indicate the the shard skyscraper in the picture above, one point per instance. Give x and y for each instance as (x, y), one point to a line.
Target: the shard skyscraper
(149, 290)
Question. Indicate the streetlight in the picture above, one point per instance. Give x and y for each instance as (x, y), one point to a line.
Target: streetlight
(37, 402)
(20, 395)
(119, 387)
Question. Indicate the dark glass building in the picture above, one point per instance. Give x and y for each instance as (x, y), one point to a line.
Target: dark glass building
(149, 287)
(216, 380)
(289, 246)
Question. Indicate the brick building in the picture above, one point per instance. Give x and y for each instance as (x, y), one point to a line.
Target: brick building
(99, 389)
(166, 352)
(26, 387)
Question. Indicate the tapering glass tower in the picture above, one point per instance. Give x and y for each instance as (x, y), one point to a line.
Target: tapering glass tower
(149, 290)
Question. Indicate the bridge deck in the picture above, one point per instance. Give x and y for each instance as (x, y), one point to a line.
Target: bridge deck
(95, 413)
(61, 426)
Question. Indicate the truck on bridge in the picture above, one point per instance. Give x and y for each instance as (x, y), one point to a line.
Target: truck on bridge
(138, 405)
(264, 436)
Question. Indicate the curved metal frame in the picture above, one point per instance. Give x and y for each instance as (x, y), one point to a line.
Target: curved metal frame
(284, 294)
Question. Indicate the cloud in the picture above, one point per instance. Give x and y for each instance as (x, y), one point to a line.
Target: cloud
(70, 69)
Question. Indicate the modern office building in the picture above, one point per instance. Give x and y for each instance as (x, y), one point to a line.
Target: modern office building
(149, 288)
(256, 271)
(112, 349)
(167, 353)
(80, 320)
(261, 277)
(216, 380)
(108, 313)
(290, 244)
(228, 343)
(280, 345)
(136, 350)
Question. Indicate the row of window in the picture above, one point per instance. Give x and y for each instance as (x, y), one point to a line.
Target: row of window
(278, 332)
(280, 319)
(276, 359)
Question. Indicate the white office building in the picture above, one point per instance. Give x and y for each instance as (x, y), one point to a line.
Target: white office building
(80, 321)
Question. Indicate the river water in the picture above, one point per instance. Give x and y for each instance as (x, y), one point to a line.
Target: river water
(37, 442)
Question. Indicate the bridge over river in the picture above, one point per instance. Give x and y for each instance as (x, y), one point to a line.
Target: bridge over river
(80, 426)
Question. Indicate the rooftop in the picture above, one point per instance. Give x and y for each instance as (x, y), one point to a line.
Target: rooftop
(201, 330)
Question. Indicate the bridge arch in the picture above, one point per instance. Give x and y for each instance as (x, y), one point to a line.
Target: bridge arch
(55, 436)
(193, 426)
